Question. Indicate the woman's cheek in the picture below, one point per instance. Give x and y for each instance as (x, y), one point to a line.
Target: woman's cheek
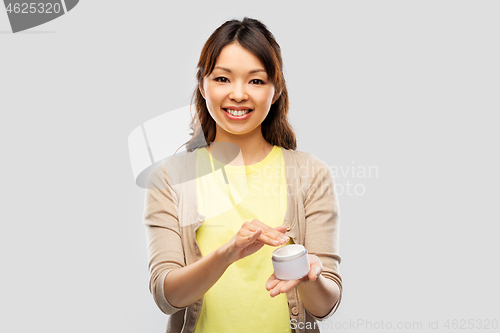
(267, 97)
(216, 94)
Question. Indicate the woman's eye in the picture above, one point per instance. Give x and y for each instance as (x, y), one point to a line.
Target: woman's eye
(257, 81)
(221, 79)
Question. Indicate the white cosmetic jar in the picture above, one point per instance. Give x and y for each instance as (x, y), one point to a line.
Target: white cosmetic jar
(290, 262)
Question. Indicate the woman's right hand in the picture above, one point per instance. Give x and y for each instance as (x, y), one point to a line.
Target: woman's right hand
(251, 237)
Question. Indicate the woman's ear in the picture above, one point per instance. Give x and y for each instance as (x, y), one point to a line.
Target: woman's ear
(202, 91)
(277, 95)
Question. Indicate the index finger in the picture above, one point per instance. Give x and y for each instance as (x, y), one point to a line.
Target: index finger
(272, 241)
(270, 232)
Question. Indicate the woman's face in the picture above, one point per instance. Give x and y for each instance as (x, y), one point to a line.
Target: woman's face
(238, 83)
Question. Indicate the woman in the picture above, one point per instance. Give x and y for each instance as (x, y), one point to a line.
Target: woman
(210, 240)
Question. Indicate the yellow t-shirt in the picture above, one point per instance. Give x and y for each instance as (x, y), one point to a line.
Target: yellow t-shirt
(239, 301)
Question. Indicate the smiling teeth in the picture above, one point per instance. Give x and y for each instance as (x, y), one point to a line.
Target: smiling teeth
(237, 113)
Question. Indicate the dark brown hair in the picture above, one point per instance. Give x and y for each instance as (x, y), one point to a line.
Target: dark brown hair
(252, 35)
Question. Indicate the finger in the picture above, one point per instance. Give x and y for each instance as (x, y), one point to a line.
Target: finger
(249, 226)
(277, 289)
(271, 232)
(264, 238)
(248, 236)
(312, 272)
(252, 248)
(316, 267)
(276, 236)
(272, 282)
(256, 235)
(282, 228)
(245, 238)
(271, 278)
(285, 286)
(318, 272)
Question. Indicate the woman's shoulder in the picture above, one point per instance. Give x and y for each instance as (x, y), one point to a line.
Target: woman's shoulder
(296, 155)
(304, 158)
(173, 169)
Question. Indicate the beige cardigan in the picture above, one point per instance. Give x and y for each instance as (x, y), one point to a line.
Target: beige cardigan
(171, 219)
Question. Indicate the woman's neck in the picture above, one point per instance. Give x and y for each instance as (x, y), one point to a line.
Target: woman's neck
(251, 149)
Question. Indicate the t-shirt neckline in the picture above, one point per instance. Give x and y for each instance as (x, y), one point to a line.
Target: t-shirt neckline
(240, 169)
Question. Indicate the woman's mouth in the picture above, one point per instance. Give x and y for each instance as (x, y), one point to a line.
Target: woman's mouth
(237, 115)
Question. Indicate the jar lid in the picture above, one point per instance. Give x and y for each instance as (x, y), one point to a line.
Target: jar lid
(289, 252)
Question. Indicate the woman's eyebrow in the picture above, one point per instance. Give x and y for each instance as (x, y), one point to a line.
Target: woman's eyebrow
(251, 72)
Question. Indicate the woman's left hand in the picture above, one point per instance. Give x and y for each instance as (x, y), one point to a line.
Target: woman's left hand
(277, 286)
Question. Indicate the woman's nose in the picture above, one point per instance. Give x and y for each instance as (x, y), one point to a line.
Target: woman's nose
(238, 92)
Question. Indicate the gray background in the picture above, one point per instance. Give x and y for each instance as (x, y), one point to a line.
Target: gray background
(410, 87)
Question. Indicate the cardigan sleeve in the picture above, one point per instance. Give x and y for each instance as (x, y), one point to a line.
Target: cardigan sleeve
(322, 223)
(165, 251)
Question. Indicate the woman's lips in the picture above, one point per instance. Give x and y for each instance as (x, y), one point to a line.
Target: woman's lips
(243, 117)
